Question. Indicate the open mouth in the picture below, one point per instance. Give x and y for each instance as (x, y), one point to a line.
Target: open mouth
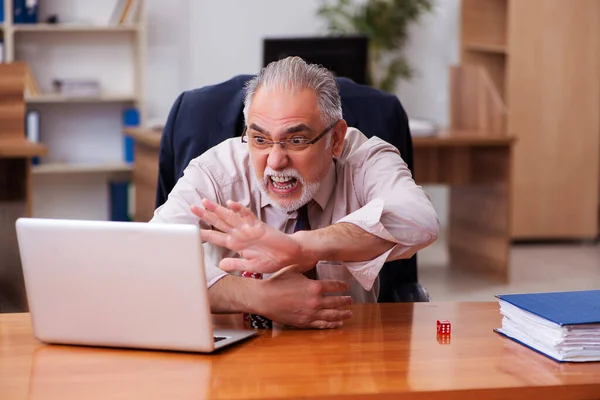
(284, 184)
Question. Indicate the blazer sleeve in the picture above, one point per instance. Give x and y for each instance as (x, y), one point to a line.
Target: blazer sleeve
(166, 158)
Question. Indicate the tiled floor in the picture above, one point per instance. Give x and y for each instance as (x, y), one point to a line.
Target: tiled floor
(534, 268)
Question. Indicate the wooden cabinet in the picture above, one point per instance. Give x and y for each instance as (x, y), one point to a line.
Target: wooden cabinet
(543, 56)
(15, 183)
(145, 171)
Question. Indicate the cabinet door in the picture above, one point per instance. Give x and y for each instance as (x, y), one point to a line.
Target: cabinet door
(554, 105)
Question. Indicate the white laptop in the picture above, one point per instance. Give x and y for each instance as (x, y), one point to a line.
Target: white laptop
(118, 284)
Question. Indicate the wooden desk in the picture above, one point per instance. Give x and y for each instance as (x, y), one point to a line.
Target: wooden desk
(387, 351)
(15, 202)
(15, 184)
(477, 168)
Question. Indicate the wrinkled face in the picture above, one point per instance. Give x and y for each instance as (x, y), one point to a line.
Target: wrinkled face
(290, 175)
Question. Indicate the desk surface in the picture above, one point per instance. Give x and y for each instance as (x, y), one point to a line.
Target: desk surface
(386, 351)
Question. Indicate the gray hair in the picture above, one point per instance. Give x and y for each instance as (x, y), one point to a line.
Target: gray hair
(295, 74)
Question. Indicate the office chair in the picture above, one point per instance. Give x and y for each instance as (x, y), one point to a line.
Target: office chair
(202, 118)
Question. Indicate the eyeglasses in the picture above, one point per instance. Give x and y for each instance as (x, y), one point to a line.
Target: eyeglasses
(294, 143)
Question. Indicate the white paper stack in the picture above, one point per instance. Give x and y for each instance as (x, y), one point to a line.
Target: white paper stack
(563, 326)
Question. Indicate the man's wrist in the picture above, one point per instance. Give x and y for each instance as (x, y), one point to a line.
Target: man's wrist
(311, 250)
(233, 294)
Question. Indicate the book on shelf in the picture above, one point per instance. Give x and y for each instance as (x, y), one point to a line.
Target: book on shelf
(119, 201)
(32, 130)
(131, 119)
(125, 12)
(31, 87)
(77, 87)
(564, 326)
(25, 11)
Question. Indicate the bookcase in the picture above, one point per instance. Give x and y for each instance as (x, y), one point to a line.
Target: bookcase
(543, 57)
(83, 134)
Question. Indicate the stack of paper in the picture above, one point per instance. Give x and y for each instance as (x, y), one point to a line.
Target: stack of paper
(563, 325)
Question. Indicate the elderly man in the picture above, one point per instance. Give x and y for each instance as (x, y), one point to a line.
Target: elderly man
(300, 196)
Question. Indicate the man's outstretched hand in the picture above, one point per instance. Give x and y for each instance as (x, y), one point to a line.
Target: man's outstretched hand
(263, 248)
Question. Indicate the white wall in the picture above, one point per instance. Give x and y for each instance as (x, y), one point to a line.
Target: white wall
(169, 54)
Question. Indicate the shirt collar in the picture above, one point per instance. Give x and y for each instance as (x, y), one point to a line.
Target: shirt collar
(326, 187)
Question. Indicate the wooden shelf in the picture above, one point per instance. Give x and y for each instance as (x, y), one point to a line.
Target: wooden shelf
(149, 137)
(74, 28)
(486, 48)
(462, 138)
(13, 147)
(56, 98)
(92, 168)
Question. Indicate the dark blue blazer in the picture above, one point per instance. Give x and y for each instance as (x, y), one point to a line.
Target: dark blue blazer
(204, 117)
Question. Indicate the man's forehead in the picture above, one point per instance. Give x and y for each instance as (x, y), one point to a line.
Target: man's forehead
(280, 101)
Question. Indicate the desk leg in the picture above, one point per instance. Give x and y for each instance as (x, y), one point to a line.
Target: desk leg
(13, 204)
(479, 218)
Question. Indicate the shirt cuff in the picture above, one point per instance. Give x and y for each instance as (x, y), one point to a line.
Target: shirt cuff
(368, 218)
(366, 272)
(214, 278)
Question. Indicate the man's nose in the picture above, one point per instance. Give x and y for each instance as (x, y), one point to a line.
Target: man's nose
(278, 158)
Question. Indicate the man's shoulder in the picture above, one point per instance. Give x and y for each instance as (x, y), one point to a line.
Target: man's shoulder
(358, 147)
(227, 163)
(218, 91)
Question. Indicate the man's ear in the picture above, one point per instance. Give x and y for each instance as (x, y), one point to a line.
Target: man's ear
(339, 133)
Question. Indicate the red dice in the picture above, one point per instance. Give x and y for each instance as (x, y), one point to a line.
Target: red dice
(444, 327)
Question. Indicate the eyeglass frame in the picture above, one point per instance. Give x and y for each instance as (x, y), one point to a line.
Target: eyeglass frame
(286, 141)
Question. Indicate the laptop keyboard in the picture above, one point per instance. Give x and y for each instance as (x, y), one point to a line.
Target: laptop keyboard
(219, 338)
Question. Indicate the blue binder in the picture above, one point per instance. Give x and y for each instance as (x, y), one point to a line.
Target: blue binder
(566, 309)
(131, 118)
(562, 308)
(119, 201)
(1, 11)
(25, 11)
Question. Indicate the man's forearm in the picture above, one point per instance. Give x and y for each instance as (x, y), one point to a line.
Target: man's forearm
(341, 242)
(232, 294)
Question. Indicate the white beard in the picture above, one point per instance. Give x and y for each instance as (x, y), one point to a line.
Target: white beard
(309, 189)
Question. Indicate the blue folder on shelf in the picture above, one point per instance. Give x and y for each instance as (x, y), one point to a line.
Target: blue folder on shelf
(564, 326)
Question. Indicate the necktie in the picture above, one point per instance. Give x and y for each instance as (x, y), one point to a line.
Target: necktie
(258, 321)
(303, 224)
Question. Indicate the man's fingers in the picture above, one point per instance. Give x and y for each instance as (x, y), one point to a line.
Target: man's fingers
(333, 315)
(211, 219)
(334, 302)
(242, 211)
(227, 215)
(215, 237)
(321, 324)
(330, 286)
(234, 264)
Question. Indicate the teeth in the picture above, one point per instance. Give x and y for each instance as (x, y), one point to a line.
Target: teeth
(280, 179)
(283, 182)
